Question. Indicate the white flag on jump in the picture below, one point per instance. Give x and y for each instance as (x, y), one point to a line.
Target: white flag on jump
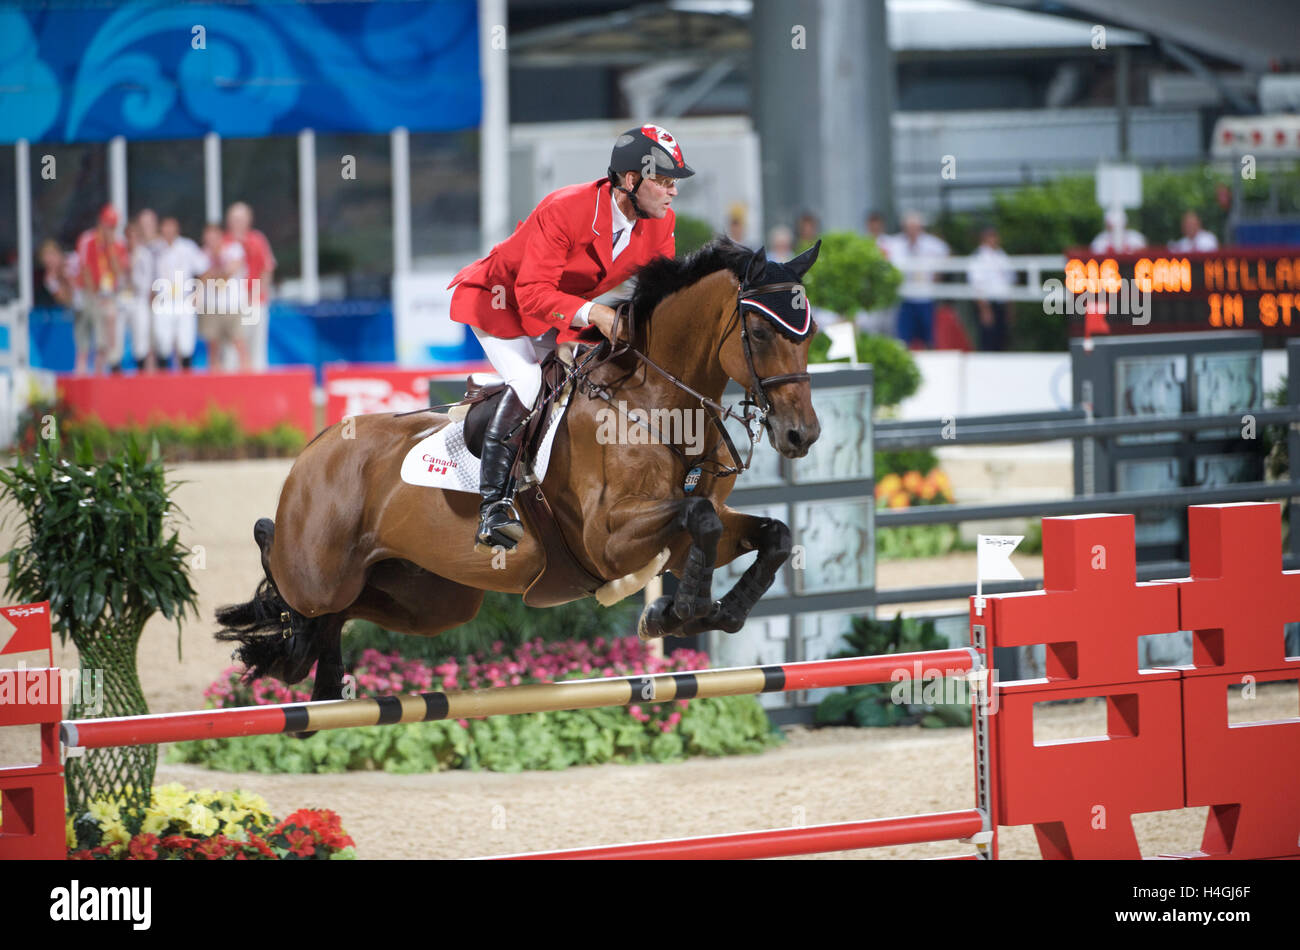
(993, 557)
(844, 341)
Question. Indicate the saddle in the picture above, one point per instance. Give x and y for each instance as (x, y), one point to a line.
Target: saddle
(562, 578)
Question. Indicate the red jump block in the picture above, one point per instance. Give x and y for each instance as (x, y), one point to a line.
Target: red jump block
(1248, 773)
(31, 796)
(1238, 598)
(1091, 610)
(1080, 794)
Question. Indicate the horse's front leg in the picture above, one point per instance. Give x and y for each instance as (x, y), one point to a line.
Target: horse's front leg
(694, 597)
(743, 533)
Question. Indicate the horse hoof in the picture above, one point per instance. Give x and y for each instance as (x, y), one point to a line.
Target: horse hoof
(650, 626)
(642, 629)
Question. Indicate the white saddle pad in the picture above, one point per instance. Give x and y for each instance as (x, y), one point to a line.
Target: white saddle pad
(443, 461)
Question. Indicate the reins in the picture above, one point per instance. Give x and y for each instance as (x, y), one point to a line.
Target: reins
(756, 405)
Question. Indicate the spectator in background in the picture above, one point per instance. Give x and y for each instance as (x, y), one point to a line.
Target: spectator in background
(737, 222)
(780, 243)
(144, 247)
(880, 322)
(916, 312)
(1195, 238)
(59, 275)
(175, 323)
(1117, 237)
(806, 231)
(991, 275)
(254, 265)
(219, 303)
(105, 284)
(876, 230)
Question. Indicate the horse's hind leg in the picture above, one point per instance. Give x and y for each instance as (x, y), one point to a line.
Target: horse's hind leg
(264, 535)
(405, 598)
(329, 665)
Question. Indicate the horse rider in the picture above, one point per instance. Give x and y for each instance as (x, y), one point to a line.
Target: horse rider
(537, 289)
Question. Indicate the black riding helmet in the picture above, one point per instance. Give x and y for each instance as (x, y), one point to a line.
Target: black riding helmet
(652, 149)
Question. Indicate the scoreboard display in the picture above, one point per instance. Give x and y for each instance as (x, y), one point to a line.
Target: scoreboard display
(1157, 291)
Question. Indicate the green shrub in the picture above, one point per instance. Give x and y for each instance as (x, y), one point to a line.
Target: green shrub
(690, 234)
(217, 435)
(851, 274)
(894, 369)
(915, 540)
(902, 461)
(875, 705)
(552, 740)
(1050, 217)
(505, 618)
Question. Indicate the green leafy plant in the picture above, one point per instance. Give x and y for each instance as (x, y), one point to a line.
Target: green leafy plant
(1047, 218)
(552, 740)
(503, 618)
(690, 234)
(901, 461)
(877, 705)
(915, 540)
(94, 542)
(217, 435)
(852, 274)
(895, 373)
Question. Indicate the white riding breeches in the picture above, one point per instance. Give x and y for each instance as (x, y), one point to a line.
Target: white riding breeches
(518, 361)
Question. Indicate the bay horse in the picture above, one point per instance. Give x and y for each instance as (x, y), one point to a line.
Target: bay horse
(351, 539)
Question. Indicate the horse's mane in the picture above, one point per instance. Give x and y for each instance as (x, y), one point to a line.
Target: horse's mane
(667, 275)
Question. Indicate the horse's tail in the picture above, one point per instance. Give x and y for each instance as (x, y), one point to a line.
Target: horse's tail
(275, 640)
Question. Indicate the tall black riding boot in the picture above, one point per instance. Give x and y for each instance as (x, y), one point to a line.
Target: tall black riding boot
(499, 524)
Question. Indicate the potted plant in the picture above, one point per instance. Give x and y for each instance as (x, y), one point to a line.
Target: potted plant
(95, 543)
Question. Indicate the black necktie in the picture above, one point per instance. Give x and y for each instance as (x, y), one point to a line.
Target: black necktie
(617, 234)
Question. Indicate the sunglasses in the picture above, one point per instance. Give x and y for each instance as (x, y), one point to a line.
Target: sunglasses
(663, 181)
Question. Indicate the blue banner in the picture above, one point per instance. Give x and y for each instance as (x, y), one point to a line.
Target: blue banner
(157, 70)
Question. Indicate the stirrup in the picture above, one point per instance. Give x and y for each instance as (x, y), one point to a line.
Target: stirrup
(505, 535)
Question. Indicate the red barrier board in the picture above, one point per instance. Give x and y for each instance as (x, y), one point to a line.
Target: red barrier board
(25, 628)
(355, 390)
(259, 400)
(1245, 772)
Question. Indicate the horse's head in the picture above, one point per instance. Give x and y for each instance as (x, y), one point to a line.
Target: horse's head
(766, 350)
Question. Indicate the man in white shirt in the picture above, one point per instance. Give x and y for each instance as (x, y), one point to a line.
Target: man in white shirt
(1117, 237)
(1195, 238)
(175, 323)
(880, 322)
(916, 312)
(146, 247)
(990, 273)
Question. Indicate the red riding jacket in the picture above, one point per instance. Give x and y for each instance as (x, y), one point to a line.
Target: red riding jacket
(554, 263)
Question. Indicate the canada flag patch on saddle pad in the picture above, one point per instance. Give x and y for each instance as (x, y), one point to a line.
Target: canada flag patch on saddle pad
(442, 460)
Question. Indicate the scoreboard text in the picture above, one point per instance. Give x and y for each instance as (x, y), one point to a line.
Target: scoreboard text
(1253, 288)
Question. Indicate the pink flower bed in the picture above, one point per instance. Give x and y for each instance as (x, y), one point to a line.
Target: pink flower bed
(379, 674)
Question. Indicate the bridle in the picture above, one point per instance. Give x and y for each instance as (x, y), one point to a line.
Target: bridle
(757, 404)
(760, 383)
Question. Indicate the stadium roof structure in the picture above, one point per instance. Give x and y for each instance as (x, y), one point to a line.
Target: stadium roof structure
(1253, 34)
(623, 34)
